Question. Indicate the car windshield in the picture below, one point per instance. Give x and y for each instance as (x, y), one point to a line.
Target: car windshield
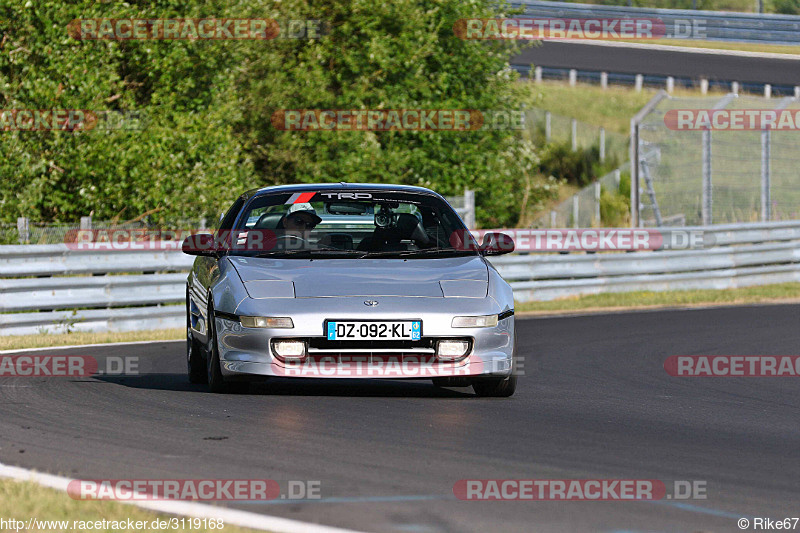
(349, 224)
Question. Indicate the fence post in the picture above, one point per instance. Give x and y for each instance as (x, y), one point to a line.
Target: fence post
(86, 222)
(735, 87)
(703, 86)
(765, 175)
(537, 74)
(797, 91)
(597, 192)
(469, 206)
(573, 77)
(767, 91)
(553, 219)
(670, 84)
(707, 185)
(602, 144)
(574, 135)
(23, 229)
(575, 211)
(617, 178)
(604, 80)
(548, 126)
(639, 83)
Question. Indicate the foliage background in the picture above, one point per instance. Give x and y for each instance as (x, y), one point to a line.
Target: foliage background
(209, 104)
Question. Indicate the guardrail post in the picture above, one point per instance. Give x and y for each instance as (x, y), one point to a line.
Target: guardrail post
(86, 222)
(765, 175)
(767, 90)
(469, 206)
(707, 185)
(604, 80)
(602, 144)
(548, 122)
(537, 74)
(573, 77)
(670, 84)
(574, 135)
(575, 210)
(597, 191)
(639, 83)
(23, 230)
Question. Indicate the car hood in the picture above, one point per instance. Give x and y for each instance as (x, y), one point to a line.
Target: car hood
(465, 277)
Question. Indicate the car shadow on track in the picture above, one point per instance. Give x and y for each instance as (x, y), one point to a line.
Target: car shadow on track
(298, 387)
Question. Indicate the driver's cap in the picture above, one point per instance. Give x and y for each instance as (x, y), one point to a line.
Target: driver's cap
(304, 208)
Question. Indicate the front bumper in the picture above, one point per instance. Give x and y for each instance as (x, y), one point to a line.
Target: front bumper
(246, 351)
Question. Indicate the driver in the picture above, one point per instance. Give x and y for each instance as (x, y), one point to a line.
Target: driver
(300, 219)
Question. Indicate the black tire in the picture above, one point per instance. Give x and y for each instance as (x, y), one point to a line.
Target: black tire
(215, 380)
(195, 364)
(495, 387)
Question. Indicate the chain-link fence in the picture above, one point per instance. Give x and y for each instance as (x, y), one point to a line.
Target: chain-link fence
(718, 175)
(583, 209)
(545, 126)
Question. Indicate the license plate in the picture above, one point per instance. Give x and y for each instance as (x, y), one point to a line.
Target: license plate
(374, 330)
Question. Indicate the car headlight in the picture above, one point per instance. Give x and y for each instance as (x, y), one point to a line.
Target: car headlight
(266, 322)
(450, 350)
(482, 321)
(289, 349)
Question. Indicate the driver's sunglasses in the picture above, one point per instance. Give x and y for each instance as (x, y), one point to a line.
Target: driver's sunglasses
(306, 224)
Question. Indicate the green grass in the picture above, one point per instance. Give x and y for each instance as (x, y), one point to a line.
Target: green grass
(611, 108)
(781, 292)
(19, 342)
(25, 500)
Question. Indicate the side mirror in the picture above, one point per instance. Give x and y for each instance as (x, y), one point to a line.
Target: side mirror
(200, 244)
(497, 244)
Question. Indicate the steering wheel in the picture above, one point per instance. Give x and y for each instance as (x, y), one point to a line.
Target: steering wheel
(297, 240)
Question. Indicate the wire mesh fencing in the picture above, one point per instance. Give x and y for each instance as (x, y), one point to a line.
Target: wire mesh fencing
(711, 169)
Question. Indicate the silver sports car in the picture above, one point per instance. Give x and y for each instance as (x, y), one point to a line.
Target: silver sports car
(348, 281)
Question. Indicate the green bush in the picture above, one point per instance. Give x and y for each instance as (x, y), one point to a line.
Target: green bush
(210, 102)
(615, 206)
(580, 167)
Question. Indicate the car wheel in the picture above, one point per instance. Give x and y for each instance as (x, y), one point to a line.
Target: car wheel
(216, 383)
(495, 387)
(195, 364)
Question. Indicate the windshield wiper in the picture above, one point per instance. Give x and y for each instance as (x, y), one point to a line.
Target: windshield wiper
(424, 251)
(307, 251)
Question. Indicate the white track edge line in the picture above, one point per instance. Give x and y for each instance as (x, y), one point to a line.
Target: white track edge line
(684, 49)
(73, 346)
(193, 509)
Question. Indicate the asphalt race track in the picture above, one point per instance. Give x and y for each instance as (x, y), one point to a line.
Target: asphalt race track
(646, 61)
(596, 403)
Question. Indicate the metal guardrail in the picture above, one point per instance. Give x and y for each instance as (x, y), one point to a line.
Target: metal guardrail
(717, 25)
(140, 289)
